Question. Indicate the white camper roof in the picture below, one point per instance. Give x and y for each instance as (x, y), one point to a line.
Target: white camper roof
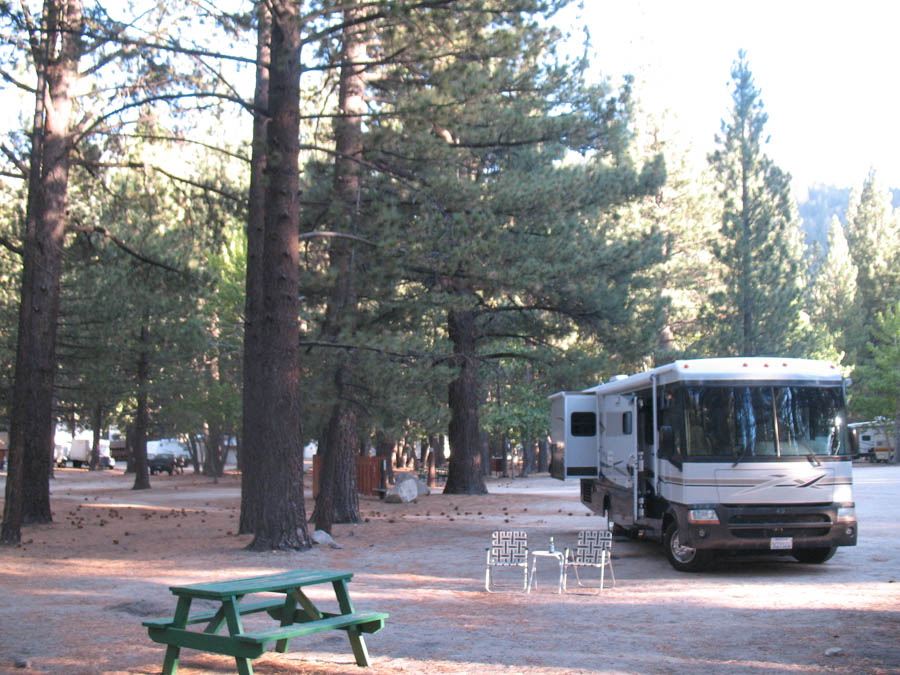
(751, 369)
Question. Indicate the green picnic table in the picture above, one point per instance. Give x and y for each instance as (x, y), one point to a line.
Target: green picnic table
(295, 612)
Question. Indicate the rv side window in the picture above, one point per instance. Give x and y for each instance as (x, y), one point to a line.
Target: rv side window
(626, 423)
(584, 424)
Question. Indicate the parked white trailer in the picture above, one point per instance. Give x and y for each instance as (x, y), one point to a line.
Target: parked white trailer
(876, 440)
(77, 451)
(711, 455)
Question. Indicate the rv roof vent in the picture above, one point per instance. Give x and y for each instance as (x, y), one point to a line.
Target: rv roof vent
(616, 378)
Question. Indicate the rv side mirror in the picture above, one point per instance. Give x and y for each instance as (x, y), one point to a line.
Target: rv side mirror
(667, 446)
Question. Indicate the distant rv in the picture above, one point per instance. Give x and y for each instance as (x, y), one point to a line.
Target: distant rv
(875, 439)
(711, 455)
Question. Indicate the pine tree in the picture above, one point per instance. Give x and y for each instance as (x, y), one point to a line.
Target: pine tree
(512, 240)
(277, 501)
(880, 377)
(337, 500)
(686, 213)
(759, 243)
(31, 430)
(833, 299)
(873, 236)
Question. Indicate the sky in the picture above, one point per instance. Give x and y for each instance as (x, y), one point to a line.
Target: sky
(828, 74)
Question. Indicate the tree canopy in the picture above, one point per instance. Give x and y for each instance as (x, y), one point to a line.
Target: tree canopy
(371, 224)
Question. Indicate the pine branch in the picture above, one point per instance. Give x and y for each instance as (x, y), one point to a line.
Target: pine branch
(411, 356)
(19, 164)
(86, 126)
(21, 85)
(97, 229)
(187, 141)
(323, 234)
(202, 186)
(11, 246)
(509, 355)
(174, 48)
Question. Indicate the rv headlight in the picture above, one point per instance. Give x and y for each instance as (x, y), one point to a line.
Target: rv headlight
(703, 517)
(846, 513)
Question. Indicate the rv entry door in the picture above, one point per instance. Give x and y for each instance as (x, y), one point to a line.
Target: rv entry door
(619, 457)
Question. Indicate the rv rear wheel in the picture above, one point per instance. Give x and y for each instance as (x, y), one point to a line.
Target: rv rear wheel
(683, 558)
(814, 556)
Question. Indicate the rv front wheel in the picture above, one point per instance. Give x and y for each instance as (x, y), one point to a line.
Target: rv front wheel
(683, 558)
(814, 556)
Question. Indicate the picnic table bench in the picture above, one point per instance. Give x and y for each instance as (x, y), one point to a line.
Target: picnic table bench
(295, 612)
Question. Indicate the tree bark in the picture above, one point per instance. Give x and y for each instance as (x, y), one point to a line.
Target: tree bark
(96, 425)
(465, 474)
(130, 444)
(384, 448)
(429, 463)
(215, 457)
(543, 456)
(215, 454)
(338, 506)
(338, 499)
(528, 454)
(277, 490)
(252, 439)
(142, 415)
(27, 498)
(439, 459)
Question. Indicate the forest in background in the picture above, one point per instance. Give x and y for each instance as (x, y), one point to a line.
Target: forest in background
(367, 224)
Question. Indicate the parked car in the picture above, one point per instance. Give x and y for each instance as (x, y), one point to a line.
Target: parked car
(164, 461)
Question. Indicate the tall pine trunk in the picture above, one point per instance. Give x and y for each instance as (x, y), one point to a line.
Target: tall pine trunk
(384, 450)
(337, 499)
(277, 490)
(142, 415)
(465, 474)
(338, 468)
(252, 440)
(96, 425)
(31, 425)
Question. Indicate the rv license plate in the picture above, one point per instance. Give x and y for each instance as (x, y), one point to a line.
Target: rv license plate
(781, 543)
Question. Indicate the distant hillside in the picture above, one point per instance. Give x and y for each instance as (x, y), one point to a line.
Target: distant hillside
(823, 202)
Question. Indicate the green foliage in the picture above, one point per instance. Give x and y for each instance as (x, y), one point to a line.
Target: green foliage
(497, 182)
(516, 404)
(11, 216)
(833, 297)
(175, 279)
(873, 237)
(495, 175)
(879, 379)
(759, 310)
(686, 214)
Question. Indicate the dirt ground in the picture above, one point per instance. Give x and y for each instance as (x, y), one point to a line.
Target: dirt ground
(74, 592)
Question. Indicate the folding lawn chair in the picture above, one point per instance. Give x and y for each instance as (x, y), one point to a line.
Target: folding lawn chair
(594, 549)
(509, 548)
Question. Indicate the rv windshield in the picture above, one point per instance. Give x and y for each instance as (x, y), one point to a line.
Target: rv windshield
(740, 423)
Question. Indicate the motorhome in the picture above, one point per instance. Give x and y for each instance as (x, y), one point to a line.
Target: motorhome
(715, 455)
(876, 440)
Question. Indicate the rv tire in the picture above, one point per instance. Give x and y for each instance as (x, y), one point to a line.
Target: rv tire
(814, 556)
(684, 558)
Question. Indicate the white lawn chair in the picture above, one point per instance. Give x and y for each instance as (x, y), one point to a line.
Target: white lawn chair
(509, 548)
(594, 549)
